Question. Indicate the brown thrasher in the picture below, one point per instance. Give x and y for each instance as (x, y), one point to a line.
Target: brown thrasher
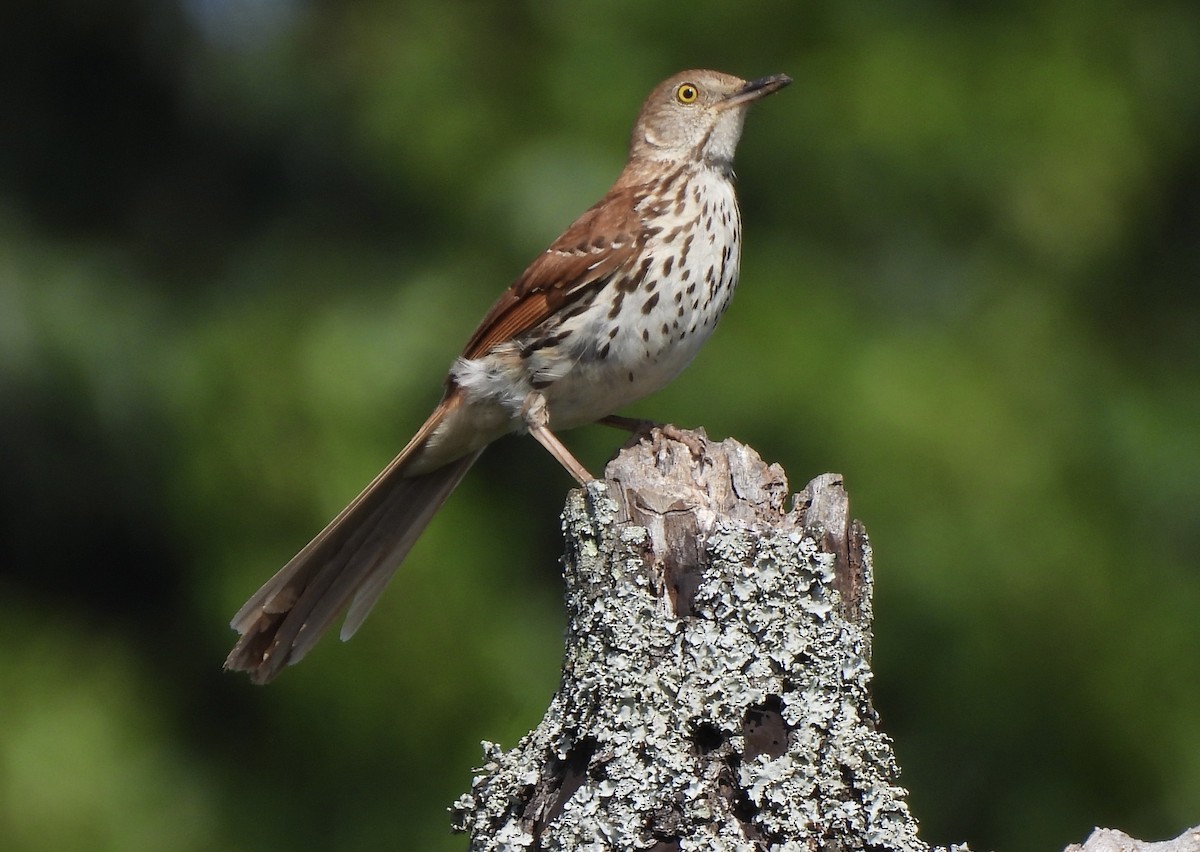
(613, 310)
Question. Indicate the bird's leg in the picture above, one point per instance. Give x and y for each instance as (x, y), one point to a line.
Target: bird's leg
(629, 424)
(536, 417)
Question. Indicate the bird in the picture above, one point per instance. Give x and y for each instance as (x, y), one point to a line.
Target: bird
(613, 310)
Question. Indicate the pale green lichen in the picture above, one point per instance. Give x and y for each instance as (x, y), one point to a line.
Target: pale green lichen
(652, 708)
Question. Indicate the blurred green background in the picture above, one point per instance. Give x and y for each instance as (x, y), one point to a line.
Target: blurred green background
(242, 240)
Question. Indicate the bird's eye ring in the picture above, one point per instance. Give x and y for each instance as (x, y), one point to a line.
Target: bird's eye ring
(687, 93)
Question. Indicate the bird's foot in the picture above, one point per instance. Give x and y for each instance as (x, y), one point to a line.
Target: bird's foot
(656, 432)
(695, 443)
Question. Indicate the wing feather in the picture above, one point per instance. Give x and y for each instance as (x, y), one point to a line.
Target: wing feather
(588, 253)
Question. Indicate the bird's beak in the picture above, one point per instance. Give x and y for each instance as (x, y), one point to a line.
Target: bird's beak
(756, 89)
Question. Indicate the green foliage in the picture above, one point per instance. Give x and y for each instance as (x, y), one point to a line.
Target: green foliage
(240, 243)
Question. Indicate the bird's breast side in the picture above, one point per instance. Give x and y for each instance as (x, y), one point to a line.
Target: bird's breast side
(649, 322)
(633, 335)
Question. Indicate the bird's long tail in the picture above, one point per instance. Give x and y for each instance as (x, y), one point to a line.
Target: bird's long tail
(346, 566)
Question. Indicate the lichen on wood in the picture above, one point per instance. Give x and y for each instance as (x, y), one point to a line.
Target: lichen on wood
(714, 693)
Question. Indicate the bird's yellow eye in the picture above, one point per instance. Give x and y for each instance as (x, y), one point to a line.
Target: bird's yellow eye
(687, 93)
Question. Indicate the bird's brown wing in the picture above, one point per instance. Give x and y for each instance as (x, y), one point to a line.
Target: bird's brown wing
(587, 254)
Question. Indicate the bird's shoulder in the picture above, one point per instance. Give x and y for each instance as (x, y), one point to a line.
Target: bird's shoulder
(605, 237)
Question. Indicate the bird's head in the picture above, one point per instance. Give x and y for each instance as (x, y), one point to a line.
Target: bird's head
(697, 115)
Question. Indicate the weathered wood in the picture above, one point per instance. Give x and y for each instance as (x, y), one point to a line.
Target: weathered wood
(714, 693)
(1109, 840)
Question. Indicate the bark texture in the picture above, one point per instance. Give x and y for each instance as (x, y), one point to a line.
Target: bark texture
(1110, 840)
(714, 693)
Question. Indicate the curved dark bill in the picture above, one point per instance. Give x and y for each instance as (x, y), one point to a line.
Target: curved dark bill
(759, 88)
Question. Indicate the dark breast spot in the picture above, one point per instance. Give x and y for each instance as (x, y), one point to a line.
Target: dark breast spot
(649, 304)
(669, 179)
(687, 246)
(542, 342)
(616, 305)
(630, 283)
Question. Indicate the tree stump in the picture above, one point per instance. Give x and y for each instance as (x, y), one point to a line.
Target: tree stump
(714, 690)
(714, 693)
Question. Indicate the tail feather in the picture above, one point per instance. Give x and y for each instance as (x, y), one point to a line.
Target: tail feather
(391, 549)
(347, 565)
